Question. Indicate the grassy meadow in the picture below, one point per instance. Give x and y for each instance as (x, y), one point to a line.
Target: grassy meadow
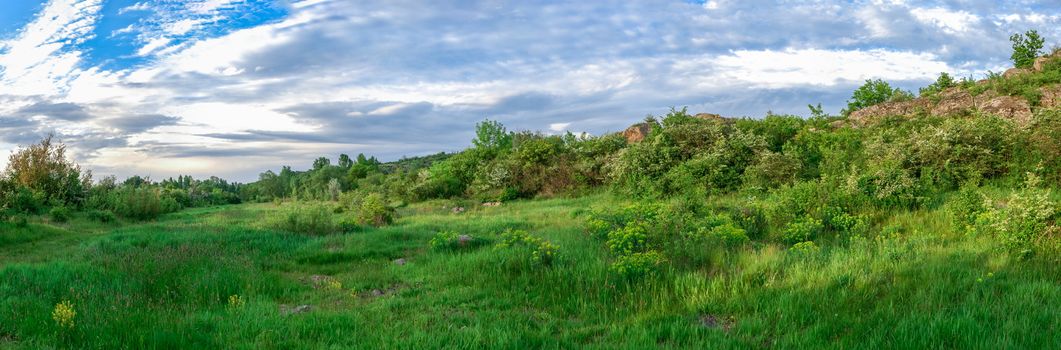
(221, 277)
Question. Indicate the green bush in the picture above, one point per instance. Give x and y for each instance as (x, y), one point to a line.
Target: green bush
(138, 203)
(1026, 48)
(1023, 220)
(60, 214)
(310, 219)
(964, 208)
(638, 264)
(633, 238)
(729, 234)
(541, 251)
(804, 249)
(804, 229)
(373, 210)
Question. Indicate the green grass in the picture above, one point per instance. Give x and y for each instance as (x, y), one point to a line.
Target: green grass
(167, 284)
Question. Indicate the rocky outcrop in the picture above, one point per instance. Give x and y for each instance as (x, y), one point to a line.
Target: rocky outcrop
(873, 114)
(708, 116)
(1012, 72)
(1051, 96)
(637, 132)
(1009, 107)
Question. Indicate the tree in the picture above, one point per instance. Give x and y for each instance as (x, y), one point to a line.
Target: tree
(321, 162)
(944, 82)
(345, 162)
(44, 169)
(492, 135)
(1026, 48)
(874, 92)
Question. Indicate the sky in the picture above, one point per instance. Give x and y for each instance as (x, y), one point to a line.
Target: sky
(232, 88)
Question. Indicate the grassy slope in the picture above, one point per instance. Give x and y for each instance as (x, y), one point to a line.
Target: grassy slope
(166, 285)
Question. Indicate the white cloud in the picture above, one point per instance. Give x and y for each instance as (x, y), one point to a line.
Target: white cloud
(40, 59)
(796, 67)
(153, 45)
(950, 21)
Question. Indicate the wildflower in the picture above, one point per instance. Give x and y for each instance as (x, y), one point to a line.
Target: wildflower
(235, 301)
(333, 285)
(64, 314)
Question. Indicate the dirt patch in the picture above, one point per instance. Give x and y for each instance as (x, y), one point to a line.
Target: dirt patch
(724, 323)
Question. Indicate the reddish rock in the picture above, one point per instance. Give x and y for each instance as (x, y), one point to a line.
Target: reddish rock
(637, 132)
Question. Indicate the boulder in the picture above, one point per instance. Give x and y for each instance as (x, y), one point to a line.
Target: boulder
(1009, 107)
(954, 101)
(1012, 72)
(399, 262)
(872, 114)
(463, 240)
(637, 132)
(492, 204)
(287, 310)
(458, 210)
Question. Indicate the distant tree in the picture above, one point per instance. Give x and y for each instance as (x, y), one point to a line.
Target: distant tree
(874, 92)
(345, 162)
(321, 162)
(491, 135)
(1026, 48)
(943, 82)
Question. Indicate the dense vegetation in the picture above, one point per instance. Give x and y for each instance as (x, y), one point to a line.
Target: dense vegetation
(923, 231)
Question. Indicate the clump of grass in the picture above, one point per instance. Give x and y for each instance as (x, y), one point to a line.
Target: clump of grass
(541, 251)
(64, 314)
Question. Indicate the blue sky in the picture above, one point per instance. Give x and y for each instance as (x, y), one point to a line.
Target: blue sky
(234, 87)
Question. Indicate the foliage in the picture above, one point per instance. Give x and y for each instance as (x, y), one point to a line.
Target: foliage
(309, 219)
(943, 82)
(1026, 48)
(64, 314)
(373, 210)
(43, 169)
(104, 216)
(874, 92)
(59, 214)
(138, 203)
(541, 251)
(803, 229)
(1023, 220)
(637, 264)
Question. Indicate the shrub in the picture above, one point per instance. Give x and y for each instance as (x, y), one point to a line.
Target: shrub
(374, 211)
(1023, 220)
(840, 221)
(637, 264)
(138, 203)
(729, 234)
(802, 230)
(541, 251)
(104, 216)
(965, 207)
(944, 82)
(311, 219)
(771, 170)
(59, 214)
(633, 238)
(804, 249)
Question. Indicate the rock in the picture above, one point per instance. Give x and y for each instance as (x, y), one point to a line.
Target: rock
(458, 210)
(954, 101)
(377, 293)
(637, 132)
(399, 262)
(492, 204)
(1008, 107)
(1012, 72)
(1040, 62)
(873, 114)
(464, 239)
(1051, 96)
(317, 280)
(287, 310)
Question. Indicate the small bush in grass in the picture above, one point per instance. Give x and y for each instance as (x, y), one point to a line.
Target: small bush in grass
(104, 216)
(801, 230)
(843, 223)
(804, 249)
(236, 301)
(628, 240)
(638, 264)
(729, 234)
(374, 211)
(64, 314)
(313, 219)
(965, 207)
(59, 214)
(450, 240)
(542, 251)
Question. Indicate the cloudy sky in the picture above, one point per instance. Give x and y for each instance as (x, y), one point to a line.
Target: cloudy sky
(234, 87)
